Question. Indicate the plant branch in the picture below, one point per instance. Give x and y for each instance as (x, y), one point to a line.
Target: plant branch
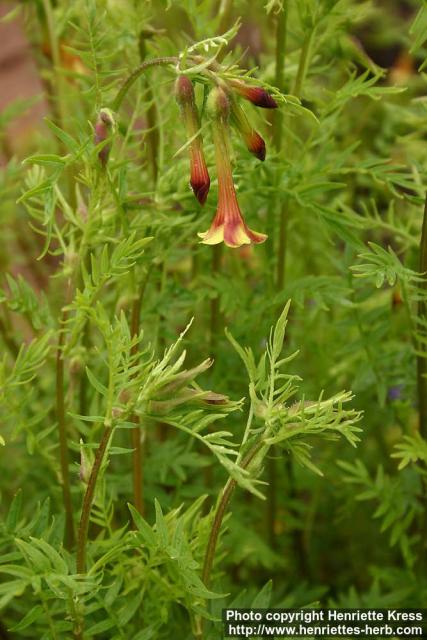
(88, 499)
(220, 512)
(57, 91)
(62, 430)
(137, 457)
(155, 62)
(303, 64)
(221, 509)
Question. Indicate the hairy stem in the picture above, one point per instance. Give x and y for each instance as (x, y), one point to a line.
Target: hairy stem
(62, 430)
(88, 499)
(155, 62)
(422, 314)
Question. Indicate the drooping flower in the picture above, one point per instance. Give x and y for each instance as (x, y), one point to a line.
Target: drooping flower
(257, 95)
(228, 225)
(199, 176)
(104, 127)
(253, 141)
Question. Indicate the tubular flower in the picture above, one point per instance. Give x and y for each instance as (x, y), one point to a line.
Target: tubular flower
(253, 141)
(199, 178)
(228, 225)
(257, 95)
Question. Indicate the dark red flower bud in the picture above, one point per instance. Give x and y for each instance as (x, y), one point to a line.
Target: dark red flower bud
(254, 143)
(257, 95)
(199, 179)
(103, 128)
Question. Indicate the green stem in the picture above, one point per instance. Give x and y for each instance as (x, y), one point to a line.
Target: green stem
(422, 314)
(57, 91)
(303, 64)
(138, 454)
(281, 256)
(220, 512)
(215, 312)
(88, 499)
(224, 13)
(279, 74)
(83, 379)
(56, 59)
(152, 135)
(221, 509)
(297, 90)
(278, 143)
(281, 273)
(283, 242)
(167, 60)
(54, 635)
(62, 430)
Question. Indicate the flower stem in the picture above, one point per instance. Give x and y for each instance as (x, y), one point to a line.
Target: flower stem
(62, 431)
(215, 312)
(121, 94)
(422, 314)
(88, 499)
